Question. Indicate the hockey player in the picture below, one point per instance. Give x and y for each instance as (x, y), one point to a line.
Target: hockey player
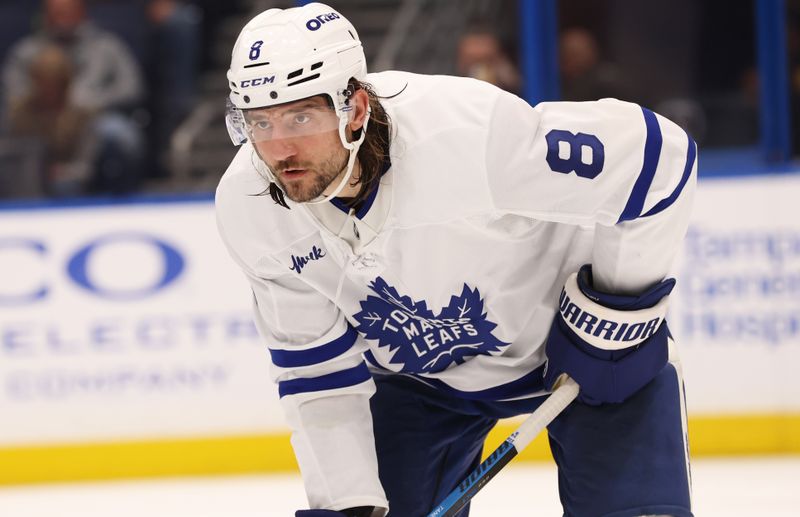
(428, 254)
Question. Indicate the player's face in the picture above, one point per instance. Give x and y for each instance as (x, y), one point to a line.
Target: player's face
(299, 142)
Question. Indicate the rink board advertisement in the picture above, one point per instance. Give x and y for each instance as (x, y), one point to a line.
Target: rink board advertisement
(123, 322)
(736, 310)
(130, 324)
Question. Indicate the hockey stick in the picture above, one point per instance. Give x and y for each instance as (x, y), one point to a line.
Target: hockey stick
(519, 439)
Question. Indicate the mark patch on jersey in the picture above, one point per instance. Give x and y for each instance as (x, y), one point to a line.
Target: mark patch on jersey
(424, 342)
(298, 263)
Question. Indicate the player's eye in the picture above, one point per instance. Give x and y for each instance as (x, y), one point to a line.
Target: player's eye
(261, 125)
(302, 118)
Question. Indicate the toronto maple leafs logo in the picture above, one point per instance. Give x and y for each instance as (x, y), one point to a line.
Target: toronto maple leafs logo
(424, 342)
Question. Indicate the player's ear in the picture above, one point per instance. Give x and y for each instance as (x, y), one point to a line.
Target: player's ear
(360, 103)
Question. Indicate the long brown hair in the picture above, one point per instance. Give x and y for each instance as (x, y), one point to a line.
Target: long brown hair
(372, 154)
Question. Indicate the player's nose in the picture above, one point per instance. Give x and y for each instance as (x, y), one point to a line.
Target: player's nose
(282, 149)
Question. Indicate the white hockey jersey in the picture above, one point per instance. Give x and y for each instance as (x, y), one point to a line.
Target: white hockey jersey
(451, 272)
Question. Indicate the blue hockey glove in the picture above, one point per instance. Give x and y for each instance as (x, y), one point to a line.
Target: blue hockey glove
(361, 511)
(612, 345)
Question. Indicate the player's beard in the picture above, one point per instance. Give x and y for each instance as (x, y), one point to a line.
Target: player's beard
(317, 178)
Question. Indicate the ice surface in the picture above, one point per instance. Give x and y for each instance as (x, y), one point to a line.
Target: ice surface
(722, 487)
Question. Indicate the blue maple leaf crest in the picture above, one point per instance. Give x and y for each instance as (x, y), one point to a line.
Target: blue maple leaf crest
(424, 342)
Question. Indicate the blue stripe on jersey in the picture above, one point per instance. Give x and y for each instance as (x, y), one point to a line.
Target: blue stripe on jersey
(528, 384)
(331, 381)
(316, 355)
(652, 150)
(691, 155)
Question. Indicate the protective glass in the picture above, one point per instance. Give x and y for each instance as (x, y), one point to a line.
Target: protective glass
(297, 119)
(234, 121)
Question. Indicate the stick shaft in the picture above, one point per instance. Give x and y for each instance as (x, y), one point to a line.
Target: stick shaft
(546, 413)
(519, 439)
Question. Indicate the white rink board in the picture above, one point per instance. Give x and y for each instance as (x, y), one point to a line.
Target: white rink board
(91, 347)
(736, 311)
(94, 348)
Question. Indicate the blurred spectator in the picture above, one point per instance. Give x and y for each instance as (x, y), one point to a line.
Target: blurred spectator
(584, 76)
(481, 55)
(47, 113)
(105, 79)
(172, 73)
(106, 76)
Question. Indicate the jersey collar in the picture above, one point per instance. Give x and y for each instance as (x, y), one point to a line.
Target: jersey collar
(367, 204)
(358, 228)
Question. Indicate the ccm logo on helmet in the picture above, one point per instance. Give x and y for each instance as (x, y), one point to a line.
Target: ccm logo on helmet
(315, 23)
(257, 81)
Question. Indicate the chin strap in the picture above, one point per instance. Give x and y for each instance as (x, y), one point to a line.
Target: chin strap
(353, 147)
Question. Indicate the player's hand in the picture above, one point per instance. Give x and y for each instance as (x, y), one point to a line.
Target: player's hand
(612, 345)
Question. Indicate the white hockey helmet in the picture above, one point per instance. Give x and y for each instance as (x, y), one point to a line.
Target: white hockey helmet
(286, 55)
